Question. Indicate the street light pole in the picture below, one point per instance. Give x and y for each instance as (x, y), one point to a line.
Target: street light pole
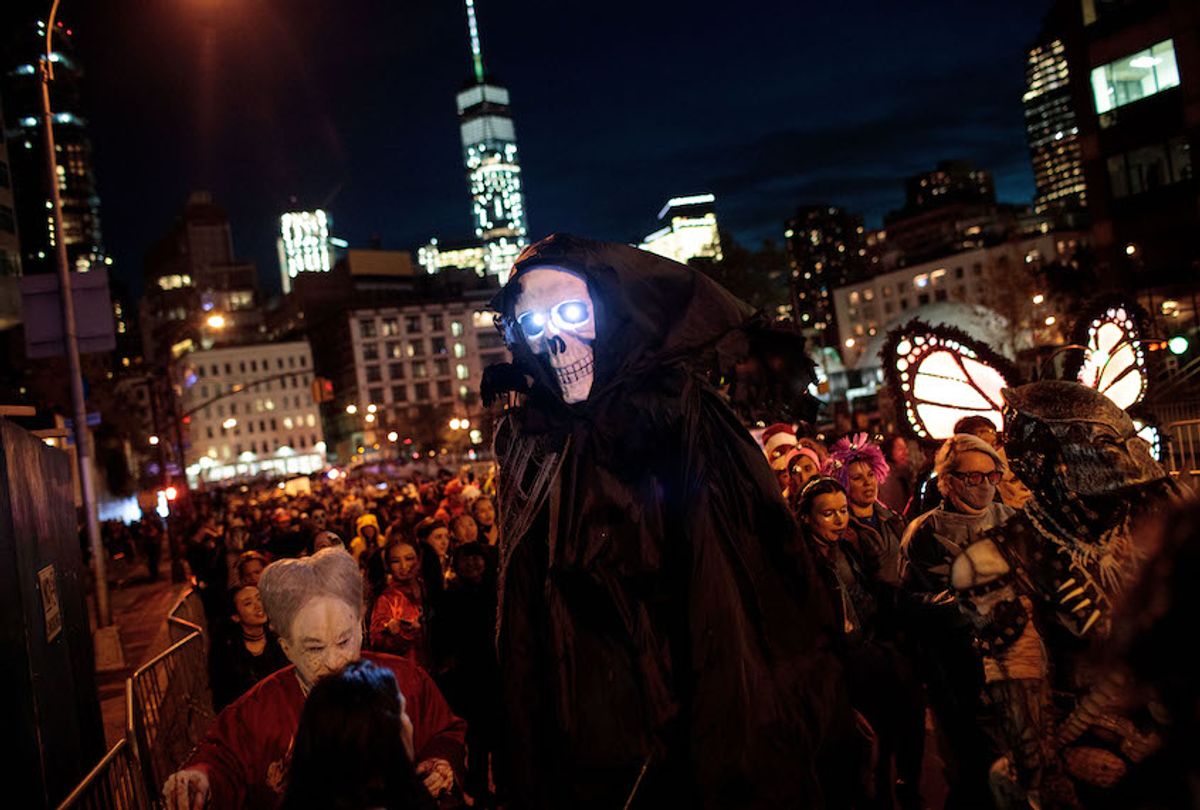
(83, 437)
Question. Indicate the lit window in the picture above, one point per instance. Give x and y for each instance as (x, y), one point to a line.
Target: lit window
(1135, 77)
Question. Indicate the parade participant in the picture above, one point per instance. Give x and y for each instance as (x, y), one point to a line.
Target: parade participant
(326, 539)
(366, 538)
(777, 441)
(433, 544)
(661, 629)
(484, 512)
(967, 470)
(354, 746)
(878, 676)
(315, 604)
(242, 658)
(250, 566)
(463, 529)
(803, 465)
(858, 465)
(1042, 589)
(396, 618)
(897, 490)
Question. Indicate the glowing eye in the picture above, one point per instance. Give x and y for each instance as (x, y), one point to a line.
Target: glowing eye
(572, 312)
(532, 323)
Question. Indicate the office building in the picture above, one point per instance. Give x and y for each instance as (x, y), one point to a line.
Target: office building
(436, 257)
(197, 293)
(826, 248)
(489, 144)
(304, 244)
(22, 101)
(688, 230)
(998, 277)
(1137, 104)
(10, 244)
(250, 411)
(1052, 131)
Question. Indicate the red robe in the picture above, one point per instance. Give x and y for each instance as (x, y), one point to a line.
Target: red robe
(394, 604)
(247, 751)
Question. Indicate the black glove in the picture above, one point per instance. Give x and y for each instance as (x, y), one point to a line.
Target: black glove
(498, 380)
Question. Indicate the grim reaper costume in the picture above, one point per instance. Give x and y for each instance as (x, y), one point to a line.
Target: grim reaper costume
(662, 639)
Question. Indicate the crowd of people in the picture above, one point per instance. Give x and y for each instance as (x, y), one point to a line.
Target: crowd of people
(883, 524)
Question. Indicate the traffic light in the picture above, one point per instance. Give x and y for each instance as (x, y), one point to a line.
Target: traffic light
(1178, 345)
(322, 390)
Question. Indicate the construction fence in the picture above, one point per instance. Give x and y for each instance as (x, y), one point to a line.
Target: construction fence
(168, 708)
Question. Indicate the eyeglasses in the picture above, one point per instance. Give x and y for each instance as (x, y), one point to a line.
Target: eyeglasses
(974, 479)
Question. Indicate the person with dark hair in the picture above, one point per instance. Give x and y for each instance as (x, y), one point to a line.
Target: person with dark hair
(206, 558)
(248, 653)
(249, 567)
(463, 529)
(483, 509)
(353, 748)
(326, 539)
(880, 679)
(397, 615)
(433, 544)
(897, 490)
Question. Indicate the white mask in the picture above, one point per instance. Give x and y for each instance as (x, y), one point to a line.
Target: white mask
(556, 316)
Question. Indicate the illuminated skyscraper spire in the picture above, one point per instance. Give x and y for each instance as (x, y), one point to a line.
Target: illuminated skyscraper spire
(476, 51)
(493, 172)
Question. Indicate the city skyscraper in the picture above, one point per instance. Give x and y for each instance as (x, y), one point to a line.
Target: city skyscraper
(197, 293)
(493, 172)
(826, 248)
(10, 246)
(690, 230)
(27, 159)
(1137, 105)
(1052, 131)
(304, 245)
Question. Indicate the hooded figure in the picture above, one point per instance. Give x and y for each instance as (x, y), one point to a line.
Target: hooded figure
(661, 633)
(365, 542)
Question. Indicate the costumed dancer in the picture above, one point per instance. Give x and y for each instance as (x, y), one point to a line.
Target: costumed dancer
(662, 631)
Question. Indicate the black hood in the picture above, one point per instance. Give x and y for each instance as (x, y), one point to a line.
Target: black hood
(650, 311)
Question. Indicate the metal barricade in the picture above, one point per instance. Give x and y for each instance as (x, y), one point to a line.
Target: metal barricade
(186, 615)
(117, 782)
(114, 784)
(1183, 451)
(170, 708)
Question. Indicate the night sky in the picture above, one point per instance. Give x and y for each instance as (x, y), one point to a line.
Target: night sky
(349, 104)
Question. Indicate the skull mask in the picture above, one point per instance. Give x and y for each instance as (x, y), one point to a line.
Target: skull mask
(557, 319)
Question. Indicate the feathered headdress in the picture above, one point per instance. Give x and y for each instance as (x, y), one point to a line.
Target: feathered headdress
(851, 449)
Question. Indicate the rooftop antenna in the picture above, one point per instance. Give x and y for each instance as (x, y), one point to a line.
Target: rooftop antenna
(476, 52)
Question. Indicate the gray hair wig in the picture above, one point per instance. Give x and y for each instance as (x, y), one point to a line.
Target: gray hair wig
(287, 585)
